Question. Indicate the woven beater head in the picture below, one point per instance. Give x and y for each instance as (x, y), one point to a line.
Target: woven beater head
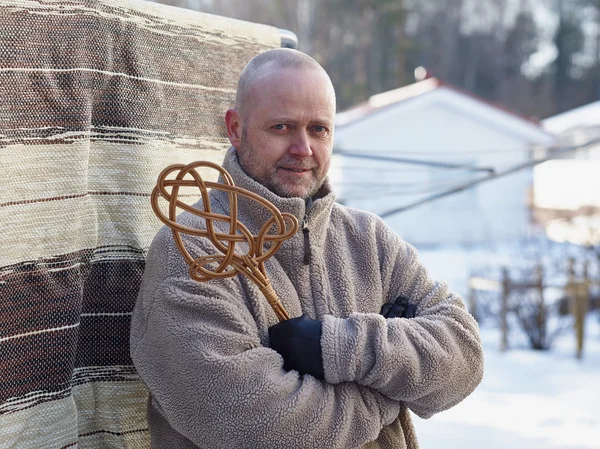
(228, 263)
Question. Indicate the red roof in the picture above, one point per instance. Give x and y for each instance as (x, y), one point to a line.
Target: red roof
(393, 97)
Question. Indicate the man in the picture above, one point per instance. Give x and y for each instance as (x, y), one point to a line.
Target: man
(223, 373)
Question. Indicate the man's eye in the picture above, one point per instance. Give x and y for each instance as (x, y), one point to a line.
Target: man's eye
(280, 127)
(319, 129)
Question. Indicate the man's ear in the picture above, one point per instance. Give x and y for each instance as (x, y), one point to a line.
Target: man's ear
(234, 127)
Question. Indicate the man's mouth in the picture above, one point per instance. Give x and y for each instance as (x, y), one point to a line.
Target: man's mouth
(296, 170)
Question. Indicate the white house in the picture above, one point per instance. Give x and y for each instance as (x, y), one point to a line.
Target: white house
(567, 190)
(438, 123)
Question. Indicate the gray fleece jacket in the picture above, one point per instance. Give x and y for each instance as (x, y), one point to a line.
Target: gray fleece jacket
(203, 348)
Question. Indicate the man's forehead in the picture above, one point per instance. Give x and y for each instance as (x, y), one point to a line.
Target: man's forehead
(295, 115)
(289, 109)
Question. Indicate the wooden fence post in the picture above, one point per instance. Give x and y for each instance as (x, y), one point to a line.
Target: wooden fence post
(504, 310)
(578, 293)
(473, 303)
(541, 316)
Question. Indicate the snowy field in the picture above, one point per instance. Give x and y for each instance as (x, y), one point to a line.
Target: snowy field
(528, 399)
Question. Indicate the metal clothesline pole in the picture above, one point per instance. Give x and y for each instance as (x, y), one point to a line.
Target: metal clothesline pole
(555, 155)
(402, 160)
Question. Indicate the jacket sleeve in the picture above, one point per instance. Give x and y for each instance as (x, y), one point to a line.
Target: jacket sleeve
(430, 362)
(198, 349)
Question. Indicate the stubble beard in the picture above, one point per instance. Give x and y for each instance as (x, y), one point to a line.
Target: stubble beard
(268, 175)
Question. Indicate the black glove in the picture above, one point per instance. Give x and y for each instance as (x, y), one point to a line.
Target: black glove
(298, 340)
(400, 308)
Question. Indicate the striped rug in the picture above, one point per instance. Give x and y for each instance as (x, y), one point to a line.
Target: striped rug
(96, 98)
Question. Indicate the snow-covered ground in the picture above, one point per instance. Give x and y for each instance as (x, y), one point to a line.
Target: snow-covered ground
(527, 399)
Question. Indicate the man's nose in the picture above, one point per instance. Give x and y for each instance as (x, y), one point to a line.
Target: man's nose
(300, 147)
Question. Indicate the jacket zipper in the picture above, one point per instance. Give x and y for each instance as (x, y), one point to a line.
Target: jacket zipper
(306, 233)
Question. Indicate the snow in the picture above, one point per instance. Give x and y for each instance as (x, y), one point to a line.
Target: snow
(527, 399)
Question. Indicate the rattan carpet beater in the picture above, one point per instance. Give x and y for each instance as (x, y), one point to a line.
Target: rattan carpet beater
(229, 263)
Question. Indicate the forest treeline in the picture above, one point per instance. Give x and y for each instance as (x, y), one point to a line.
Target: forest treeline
(538, 57)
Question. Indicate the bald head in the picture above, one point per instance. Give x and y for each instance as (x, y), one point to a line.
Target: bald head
(267, 63)
(282, 124)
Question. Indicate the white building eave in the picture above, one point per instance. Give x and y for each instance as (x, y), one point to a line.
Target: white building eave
(407, 99)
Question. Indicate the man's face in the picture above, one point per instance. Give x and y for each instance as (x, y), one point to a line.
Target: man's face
(287, 131)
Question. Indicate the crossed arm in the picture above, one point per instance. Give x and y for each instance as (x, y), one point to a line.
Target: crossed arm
(199, 351)
(429, 362)
(203, 362)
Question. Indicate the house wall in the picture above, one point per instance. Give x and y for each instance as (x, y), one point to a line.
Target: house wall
(433, 128)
